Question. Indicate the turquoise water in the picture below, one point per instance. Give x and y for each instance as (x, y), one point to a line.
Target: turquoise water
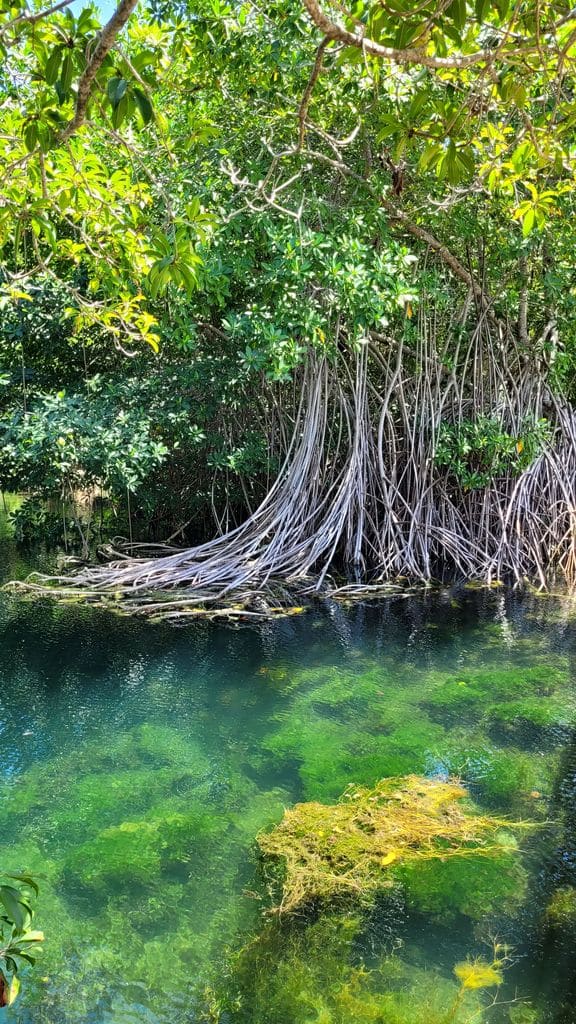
(138, 763)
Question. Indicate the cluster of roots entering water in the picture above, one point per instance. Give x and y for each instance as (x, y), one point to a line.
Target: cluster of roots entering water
(365, 485)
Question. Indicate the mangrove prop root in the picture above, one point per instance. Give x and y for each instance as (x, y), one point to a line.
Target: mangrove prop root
(352, 849)
(361, 486)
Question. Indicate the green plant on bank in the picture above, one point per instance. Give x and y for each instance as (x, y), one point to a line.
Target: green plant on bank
(18, 941)
(195, 202)
(480, 450)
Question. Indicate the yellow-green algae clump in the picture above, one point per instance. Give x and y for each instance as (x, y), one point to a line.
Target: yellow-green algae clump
(352, 849)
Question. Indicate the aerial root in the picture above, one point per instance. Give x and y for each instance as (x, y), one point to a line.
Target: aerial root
(360, 487)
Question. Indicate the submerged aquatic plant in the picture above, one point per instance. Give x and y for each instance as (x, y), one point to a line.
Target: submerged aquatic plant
(561, 909)
(319, 978)
(350, 849)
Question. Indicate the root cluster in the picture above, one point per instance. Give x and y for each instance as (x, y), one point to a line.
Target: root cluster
(361, 490)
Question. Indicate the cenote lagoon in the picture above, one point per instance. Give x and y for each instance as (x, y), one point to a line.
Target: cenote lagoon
(140, 762)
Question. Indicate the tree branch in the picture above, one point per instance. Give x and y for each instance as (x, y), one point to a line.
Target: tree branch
(305, 103)
(438, 247)
(332, 31)
(31, 17)
(105, 43)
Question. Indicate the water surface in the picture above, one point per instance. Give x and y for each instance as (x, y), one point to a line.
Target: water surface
(138, 763)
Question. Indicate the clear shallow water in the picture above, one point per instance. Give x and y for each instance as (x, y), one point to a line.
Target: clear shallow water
(138, 763)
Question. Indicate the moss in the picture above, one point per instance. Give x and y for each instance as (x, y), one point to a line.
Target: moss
(136, 852)
(410, 829)
(263, 810)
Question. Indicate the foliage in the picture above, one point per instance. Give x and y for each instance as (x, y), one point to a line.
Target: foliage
(66, 442)
(477, 451)
(18, 940)
(217, 198)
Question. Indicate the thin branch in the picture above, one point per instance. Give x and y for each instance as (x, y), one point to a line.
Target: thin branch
(32, 17)
(306, 98)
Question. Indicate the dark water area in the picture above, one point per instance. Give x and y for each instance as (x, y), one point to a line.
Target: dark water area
(139, 762)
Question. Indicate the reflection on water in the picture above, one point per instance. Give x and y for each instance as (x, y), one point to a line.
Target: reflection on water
(138, 763)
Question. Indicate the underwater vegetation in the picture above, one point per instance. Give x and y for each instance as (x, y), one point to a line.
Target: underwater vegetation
(316, 979)
(138, 778)
(374, 837)
(139, 843)
(486, 723)
(561, 910)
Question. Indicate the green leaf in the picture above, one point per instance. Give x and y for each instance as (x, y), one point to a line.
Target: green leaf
(144, 105)
(53, 65)
(66, 73)
(60, 92)
(430, 156)
(31, 136)
(26, 880)
(86, 21)
(457, 12)
(189, 276)
(528, 221)
(481, 8)
(119, 112)
(116, 89)
(17, 910)
(13, 990)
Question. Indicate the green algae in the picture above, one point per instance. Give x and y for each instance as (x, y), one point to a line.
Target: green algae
(417, 832)
(317, 979)
(473, 886)
(349, 722)
(149, 835)
(561, 909)
(536, 695)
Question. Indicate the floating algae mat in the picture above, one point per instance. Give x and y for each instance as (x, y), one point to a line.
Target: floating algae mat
(139, 764)
(354, 849)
